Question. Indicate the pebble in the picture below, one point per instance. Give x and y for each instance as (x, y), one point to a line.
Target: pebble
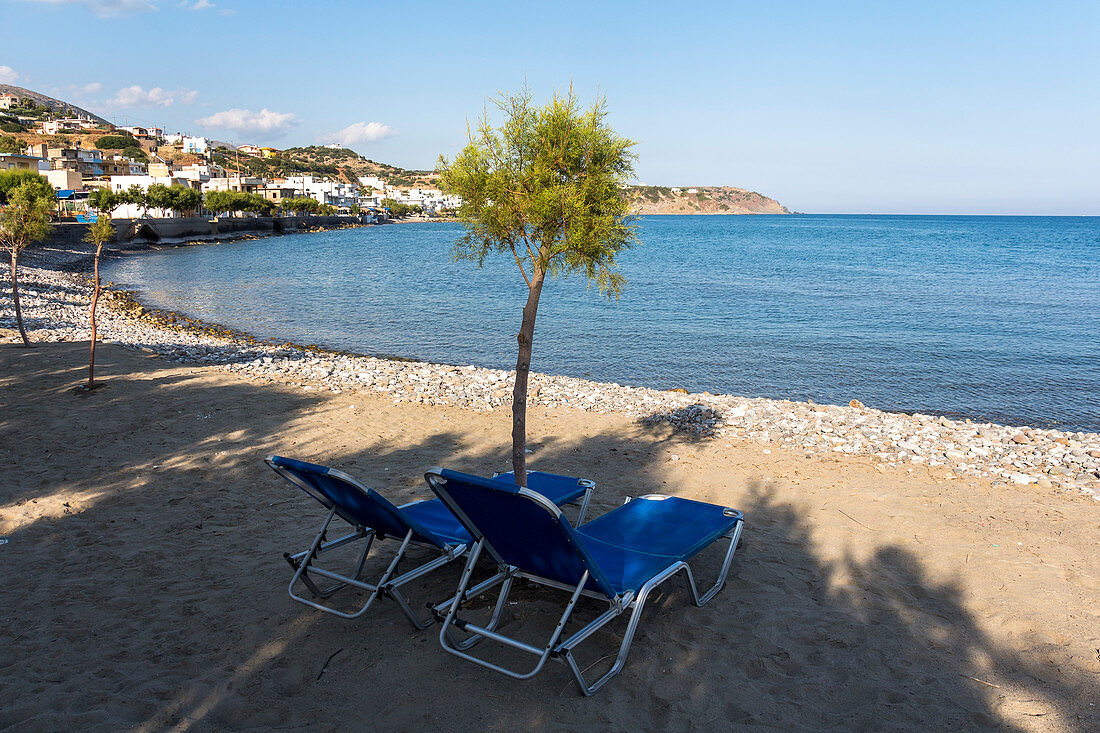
(55, 307)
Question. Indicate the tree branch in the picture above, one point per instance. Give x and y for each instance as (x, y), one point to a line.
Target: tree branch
(519, 264)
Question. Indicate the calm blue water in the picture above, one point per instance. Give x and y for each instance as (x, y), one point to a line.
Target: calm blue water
(993, 318)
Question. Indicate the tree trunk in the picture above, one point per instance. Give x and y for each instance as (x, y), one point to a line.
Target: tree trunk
(15, 296)
(95, 299)
(523, 368)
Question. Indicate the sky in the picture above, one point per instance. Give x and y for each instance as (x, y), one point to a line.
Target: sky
(842, 107)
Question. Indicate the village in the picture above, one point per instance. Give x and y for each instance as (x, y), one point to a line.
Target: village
(79, 155)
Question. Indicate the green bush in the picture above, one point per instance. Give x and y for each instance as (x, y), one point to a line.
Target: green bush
(12, 179)
(116, 141)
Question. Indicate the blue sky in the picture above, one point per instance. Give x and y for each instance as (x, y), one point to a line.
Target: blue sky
(967, 107)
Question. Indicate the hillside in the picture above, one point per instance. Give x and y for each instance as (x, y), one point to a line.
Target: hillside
(705, 200)
(341, 164)
(346, 165)
(56, 105)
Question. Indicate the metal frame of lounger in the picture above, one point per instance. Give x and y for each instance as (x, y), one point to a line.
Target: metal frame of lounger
(387, 585)
(617, 604)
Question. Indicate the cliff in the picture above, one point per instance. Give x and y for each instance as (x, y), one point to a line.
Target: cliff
(702, 200)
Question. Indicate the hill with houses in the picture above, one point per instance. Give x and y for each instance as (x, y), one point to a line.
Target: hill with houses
(79, 150)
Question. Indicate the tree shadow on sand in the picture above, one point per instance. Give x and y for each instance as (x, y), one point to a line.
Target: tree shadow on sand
(162, 602)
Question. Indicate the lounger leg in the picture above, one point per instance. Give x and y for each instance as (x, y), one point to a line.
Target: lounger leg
(371, 588)
(479, 632)
(735, 537)
(460, 596)
(494, 621)
(393, 588)
(566, 648)
(301, 564)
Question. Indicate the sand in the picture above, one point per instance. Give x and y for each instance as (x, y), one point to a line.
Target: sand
(145, 586)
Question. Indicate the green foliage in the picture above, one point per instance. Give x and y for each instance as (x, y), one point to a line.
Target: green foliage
(100, 231)
(134, 152)
(135, 195)
(231, 201)
(355, 210)
(400, 210)
(159, 196)
(26, 108)
(117, 141)
(10, 145)
(301, 205)
(652, 194)
(175, 198)
(12, 127)
(545, 189)
(103, 200)
(185, 199)
(10, 180)
(25, 218)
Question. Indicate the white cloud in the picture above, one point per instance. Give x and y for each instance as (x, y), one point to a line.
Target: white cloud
(106, 8)
(136, 96)
(360, 132)
(264, 123)
(7, 75)
(197, 5)
(79, 92)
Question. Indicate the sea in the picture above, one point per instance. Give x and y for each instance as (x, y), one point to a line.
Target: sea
(990, 318)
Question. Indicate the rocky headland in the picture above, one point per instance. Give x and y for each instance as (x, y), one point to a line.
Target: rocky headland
(702, 200)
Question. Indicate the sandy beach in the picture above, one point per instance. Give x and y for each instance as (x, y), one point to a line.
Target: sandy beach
(146, 585)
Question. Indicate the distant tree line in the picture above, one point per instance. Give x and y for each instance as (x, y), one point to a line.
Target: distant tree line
(399, 210)
(180, 199)
(183, 200)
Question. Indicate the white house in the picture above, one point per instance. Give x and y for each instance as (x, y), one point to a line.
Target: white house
(372, 182)
(195, 145)
(333, 193)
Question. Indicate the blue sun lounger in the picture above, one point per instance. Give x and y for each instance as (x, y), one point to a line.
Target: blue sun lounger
(618, 558)
(427, 524)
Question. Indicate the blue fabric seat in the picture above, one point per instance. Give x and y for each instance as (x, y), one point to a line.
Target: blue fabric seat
(619, 557)
(561, 490)
(426, 523)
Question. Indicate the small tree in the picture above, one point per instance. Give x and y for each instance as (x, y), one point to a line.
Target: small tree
(137, 196)
(24, 220)
(185, 199)
(99, 233)
(217, 201)
(544, 188)
(103, 200)
(10, 180)
(159, 196)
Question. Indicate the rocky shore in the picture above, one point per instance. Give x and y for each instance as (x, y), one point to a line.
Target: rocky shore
(55, 302)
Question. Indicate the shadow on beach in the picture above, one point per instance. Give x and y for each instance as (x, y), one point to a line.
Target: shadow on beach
(150, 589)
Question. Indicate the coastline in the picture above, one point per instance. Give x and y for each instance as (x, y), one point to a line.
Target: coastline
(152, 535)
(1048, 460)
